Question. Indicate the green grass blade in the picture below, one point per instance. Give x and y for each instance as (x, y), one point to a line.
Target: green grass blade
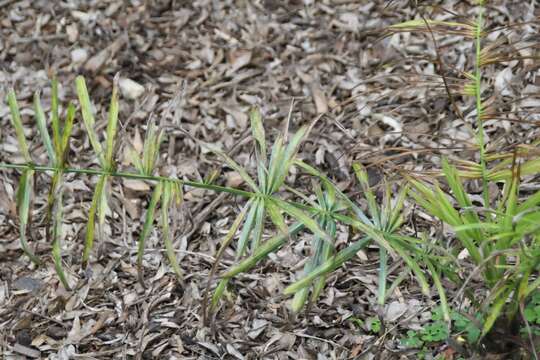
(314, 172)
(136, 161)
(223, 246)
(276, 216)
(240, 170)
(147, 228)
(275, 165)
(165, 205)
(247, 228)
(454, 182)
(288, 158)
(262, 176)
(396, 211)
(112, 125)
(152, 143)
(426, 198)
(88, 118)
(533, 286)
(373, 208)
(496, 308)
(440, 290)
(266, 248)
(449, 214)
(66, 133)
(330, 265)
(218, 293)
(299, 215)
(383, 273)
(17, 124)
(300, 297)
(42, 128)
(257, 129)
(24, 195)
(258, 227)
(531, 202)
(57, 239)
(411, 263)
(55, 119)
(91, 225)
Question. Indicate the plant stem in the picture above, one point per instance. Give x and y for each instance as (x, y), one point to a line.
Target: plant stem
(126, 175)
(479, 109)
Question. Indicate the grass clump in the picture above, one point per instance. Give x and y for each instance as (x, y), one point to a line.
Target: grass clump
(496, 238)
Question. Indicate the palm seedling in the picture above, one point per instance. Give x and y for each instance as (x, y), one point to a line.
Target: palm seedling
(271, 174)
(379, 225)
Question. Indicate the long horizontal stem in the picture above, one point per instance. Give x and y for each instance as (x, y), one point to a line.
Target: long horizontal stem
(201, 185)
(127, 175)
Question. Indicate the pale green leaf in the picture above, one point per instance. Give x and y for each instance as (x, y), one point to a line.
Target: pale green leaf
(42, 128)
(88, 119)
(24, 195)
(17, 124)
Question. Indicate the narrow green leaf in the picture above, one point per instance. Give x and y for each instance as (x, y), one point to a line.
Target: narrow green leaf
(257, 130)
(66, 133)
(276, 164)
(396, 211)
(218, 293)
(136, 161)
(330, 265)
(55, 119)
(496, 309)
(57, 239)
(112, 125)
(454, 182)
(302, 217)
(258, 227)
(262, 175)
(413, 265)
(224, 244)
(42, 128)
(383, 273)
(152, 143)
(288, 158)
(449, 214)
(440, 290)
(299, 299)
(276, 216)
(91, 225)
(247, 228)
(314, 172)
(362, 177)
(165, 204)
(531, 202)
(17, 124)
(266, 248)
(240, 170)
(533, 286)
(147, 228)
(88, 118)
(24, 195)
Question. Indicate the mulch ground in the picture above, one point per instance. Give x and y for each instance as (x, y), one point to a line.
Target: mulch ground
(197, 67)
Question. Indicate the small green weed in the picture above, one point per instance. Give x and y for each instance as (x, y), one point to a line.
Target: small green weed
(437, 330)
(532, 314)
(374, 325)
